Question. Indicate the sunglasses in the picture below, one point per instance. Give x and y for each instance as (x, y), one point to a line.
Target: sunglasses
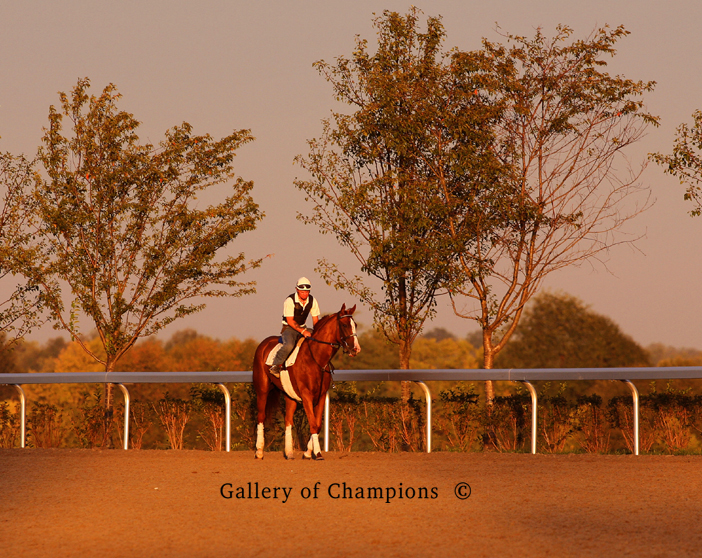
(304, 287)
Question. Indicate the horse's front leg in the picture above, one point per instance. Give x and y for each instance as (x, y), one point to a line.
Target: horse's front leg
(313, 448)
(290, 407)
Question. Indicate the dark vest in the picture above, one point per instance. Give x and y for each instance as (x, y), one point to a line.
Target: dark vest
(301, 313)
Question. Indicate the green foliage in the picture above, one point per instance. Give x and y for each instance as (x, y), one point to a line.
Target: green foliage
(559, 331)
(392, 424)
(21, 311)
(505, 422)
(459, 417)
(90, 426)
(592, 424)
(141, 421)
(174, 414)
(685, 162)
(556, 420)
(558, 197)
(208, 400)
(375, 170)
(44, 425)
(118, 221)
(9, 426)
(343, 415)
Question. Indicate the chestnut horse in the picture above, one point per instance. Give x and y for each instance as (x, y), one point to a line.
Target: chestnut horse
(310, 377)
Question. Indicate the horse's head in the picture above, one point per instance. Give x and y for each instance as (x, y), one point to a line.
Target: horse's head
(347, 331)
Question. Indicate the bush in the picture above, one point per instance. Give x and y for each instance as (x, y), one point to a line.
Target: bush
(591, 421)
(505, 422)
(173, 414)
(44, 425)
(9, 426)
(458, 417)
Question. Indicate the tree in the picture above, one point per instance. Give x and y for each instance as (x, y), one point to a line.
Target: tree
(563, 188)
(119, 225)
(21, 311)
(685, 163)
(559, 331)
(375, 172)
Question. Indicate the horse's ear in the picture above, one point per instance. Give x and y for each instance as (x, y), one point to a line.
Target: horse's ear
(351, 310)
(343, 308)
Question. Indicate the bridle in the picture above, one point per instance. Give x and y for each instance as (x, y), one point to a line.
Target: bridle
(342, 343)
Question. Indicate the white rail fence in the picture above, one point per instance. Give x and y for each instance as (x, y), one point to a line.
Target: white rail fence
(524, 376)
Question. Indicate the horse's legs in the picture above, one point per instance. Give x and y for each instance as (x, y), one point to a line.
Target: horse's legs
(313, 444)
(313, 449)
(290, 407)
(261, 399)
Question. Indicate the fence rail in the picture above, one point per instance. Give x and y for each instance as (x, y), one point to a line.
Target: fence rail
(522, 375)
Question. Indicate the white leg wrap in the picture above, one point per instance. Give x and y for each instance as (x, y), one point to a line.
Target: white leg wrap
(288, 440)
(259, 436)
(308, 453)
(315, 444)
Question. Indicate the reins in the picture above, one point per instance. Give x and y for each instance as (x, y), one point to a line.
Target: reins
(334, 344)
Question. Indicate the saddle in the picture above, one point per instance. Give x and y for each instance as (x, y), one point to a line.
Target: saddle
(291, 358)
(284, 374)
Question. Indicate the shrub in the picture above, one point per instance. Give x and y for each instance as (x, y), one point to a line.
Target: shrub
(592, 423)
(208, 400)
(505, 422)
(620, 414)
(173, 414)
(556, 419)
(44, 425)
(344, 415)
(9, 426)
(458, 417)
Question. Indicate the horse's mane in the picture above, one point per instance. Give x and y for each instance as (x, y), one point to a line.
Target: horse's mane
(323, 320)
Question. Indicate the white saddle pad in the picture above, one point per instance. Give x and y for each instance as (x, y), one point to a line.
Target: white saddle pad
(284, 375)
(291, 358)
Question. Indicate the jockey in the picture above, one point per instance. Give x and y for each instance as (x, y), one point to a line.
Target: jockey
(296, 308)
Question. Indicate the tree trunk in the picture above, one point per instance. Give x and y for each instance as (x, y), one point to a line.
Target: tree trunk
(109, 410)
(488, 363)
(405, 352)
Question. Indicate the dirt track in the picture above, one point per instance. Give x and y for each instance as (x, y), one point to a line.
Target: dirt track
(169, 503)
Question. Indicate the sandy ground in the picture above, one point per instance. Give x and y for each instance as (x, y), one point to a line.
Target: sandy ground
(170, 503)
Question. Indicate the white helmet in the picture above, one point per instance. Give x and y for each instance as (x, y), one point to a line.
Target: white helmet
(303, 284)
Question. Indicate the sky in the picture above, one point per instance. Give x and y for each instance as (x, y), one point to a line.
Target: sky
(224, 65)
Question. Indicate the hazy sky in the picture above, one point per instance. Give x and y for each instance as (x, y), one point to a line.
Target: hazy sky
(225, 65)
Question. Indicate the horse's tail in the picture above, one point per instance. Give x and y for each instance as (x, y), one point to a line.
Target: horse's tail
(262, 384)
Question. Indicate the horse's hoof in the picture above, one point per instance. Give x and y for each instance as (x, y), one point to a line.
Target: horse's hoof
(307, 455)
(289, 457)
(258, 454)
(318, 456)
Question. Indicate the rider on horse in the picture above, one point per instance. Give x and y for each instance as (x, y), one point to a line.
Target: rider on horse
(296, 308)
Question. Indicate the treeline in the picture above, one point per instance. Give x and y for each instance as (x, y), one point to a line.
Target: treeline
(557, 331)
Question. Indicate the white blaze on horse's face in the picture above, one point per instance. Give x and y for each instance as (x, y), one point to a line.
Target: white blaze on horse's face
(356, 344)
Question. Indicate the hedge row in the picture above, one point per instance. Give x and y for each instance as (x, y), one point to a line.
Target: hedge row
(669, 422)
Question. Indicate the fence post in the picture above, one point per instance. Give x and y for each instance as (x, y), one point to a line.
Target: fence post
(125, 392)
(534, 414)
(227, 415)
(23, 414)
(427, 394)
(635, 396)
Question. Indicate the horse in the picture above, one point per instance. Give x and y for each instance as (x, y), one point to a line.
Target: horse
(310, 377)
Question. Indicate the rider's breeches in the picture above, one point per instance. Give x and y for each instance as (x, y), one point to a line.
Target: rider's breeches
(290, 337)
